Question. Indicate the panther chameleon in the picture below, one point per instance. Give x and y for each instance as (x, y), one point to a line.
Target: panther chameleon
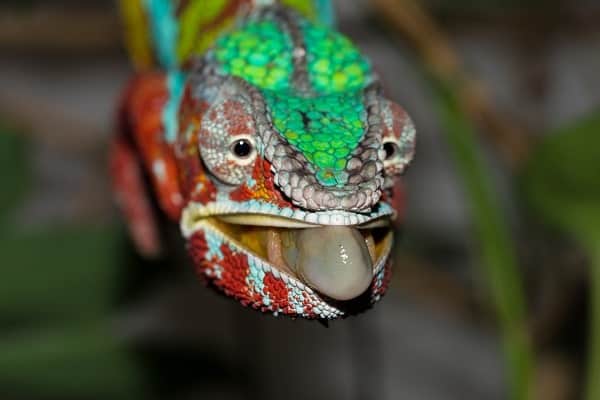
(265, 134)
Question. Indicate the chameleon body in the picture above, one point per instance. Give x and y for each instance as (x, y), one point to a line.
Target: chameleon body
(258, 125)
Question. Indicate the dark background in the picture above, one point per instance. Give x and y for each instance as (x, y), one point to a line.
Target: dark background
(490, 297)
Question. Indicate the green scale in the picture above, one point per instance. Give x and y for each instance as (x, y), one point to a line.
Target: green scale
(327, 124)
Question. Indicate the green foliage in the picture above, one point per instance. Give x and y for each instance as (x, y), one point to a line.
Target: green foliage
(497, 252)
(57, 295)
(68, 272)
(80, 361)
(562, 179)
(561, 183)
(14, 171)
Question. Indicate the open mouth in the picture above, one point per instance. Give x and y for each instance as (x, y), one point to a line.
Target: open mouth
(338, 262)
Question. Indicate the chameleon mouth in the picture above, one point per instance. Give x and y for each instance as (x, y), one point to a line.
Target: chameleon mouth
(338, 262)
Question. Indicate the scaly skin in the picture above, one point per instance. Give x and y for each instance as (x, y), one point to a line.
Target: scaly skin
(320, 146)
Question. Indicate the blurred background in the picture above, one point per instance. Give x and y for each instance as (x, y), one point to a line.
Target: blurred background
(496, 292)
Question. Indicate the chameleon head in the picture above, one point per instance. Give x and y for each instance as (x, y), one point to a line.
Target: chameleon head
(289, 156)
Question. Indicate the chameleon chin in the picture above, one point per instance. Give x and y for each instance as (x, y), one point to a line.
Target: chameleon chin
(272, 146)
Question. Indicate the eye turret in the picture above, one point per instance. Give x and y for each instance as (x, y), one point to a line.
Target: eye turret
(227, 141)
(398, 144)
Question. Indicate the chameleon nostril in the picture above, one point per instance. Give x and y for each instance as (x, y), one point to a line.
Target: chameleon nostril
(305, 120)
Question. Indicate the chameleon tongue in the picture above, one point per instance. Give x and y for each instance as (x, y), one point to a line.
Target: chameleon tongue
(334, 261)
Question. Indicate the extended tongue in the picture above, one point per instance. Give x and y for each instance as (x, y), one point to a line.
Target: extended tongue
(332, 260)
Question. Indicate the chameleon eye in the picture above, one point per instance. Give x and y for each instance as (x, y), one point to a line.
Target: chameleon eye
(242, 148)
(398, 144)
(391, 150)
(397, 155)
(227, 141)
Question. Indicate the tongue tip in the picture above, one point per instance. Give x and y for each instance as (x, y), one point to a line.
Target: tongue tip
(342, 292)
(346, 297)
(334, 261)
(342, 286)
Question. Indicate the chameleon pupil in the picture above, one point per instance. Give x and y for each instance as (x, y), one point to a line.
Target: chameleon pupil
(242, 148)
(390, 150)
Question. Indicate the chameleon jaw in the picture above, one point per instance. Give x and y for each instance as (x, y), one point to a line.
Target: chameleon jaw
(276, 216)
(249, 237)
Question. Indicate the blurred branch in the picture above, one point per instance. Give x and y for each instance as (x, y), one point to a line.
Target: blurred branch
(462, 99)
(497, 250)
(593, 367)
(556, 378)
(560, 183)
(50, 28)
(408, 18)
(523, 17)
